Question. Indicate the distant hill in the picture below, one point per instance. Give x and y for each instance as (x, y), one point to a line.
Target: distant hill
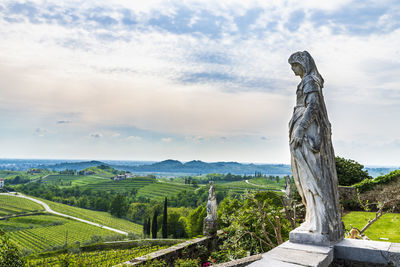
(72, 165)
(200, 167)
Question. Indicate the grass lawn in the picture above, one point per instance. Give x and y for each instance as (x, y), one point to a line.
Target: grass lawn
(388, 226)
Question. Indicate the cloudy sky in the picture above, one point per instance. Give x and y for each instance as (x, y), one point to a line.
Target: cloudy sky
(208, 80)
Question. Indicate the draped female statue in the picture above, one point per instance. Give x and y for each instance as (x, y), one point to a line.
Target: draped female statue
(312, 157)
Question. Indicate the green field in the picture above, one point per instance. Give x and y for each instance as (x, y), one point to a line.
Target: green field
(95, 258)
(160, 190)
(100, 217)
(10, 205)
(122, 185)
(240, 187)
(74, 180)
(386, 227)
(263, 181)
(43, 232)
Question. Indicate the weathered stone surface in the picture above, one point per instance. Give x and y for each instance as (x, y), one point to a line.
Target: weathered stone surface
(296, 255)
(210, 222)
(264, 262)
(394, 254)
(302, 237)
(240, 262)
(363, 251)
(312, 157)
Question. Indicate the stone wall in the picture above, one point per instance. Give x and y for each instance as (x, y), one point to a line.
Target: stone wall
(347, 192)
(188, 249)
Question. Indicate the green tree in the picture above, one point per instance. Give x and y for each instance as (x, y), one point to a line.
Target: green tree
(9, 253)
(256, 225)
(119, 206)
(350, 172)
(154, 225)
(195, 220)
(165, 220)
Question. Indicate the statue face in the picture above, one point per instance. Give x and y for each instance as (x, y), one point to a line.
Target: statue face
(297, 69)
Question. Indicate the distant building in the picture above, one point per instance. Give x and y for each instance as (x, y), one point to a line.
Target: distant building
(88, 172)
(119, 177)
(34, 171)
(1, 183)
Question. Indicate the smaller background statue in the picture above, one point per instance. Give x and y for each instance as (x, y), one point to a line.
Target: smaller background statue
(210, 222)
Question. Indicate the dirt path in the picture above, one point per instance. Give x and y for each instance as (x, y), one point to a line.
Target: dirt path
(48, 209)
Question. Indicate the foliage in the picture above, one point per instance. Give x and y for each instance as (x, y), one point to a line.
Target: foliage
(194, 222)
(165, 220)
(350, 172)
(94, 258)
(256, 226)
(368, 184)
(154, 227)
(176, 225)
(9, 253)
(119, 206)
(187, 263)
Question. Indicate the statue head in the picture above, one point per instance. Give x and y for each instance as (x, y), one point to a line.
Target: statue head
(307, 64)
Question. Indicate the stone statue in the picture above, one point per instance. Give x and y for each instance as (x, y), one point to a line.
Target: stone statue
(312, 158)
(210, 222)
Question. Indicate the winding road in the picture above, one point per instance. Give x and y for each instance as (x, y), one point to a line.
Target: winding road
(48, 209)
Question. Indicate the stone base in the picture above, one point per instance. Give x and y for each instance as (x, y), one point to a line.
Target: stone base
(304, 237)
(291, 255)
(209, 227)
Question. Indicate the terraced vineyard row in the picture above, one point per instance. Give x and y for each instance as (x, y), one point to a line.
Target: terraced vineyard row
(161, 190)
(72, 180)
(95, 258)
(121, 186)
(103, 218)
(13, 205)
(241, 186)
(55, 232)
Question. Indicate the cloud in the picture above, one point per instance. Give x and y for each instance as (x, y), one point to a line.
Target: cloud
(41, 132)
(166, 139)
(134, 138)
(196, 68)
(96, 135)
(63, 122)
(116, 135)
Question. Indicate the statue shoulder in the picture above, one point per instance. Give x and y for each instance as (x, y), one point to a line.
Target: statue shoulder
(309, 85)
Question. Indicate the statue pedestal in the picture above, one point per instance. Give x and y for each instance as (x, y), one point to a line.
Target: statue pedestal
(305, 237)
(209, 226)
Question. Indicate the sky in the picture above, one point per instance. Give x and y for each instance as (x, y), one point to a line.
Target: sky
(204, 80)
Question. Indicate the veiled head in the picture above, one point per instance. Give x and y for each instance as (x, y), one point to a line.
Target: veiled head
(307, 63)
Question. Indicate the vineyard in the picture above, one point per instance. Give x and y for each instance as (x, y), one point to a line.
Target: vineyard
(161, 190)
(73, 180)
(241, 186)
(121, 186)
(44, 232)
(100, 217)
(15, 205)
(94, 258)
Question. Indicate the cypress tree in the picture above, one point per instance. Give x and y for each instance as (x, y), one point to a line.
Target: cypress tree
(148, 226)
(165, 218)
(145, 227)
(154, 225)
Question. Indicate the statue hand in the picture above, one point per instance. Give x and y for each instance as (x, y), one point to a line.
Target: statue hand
(298, 136)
